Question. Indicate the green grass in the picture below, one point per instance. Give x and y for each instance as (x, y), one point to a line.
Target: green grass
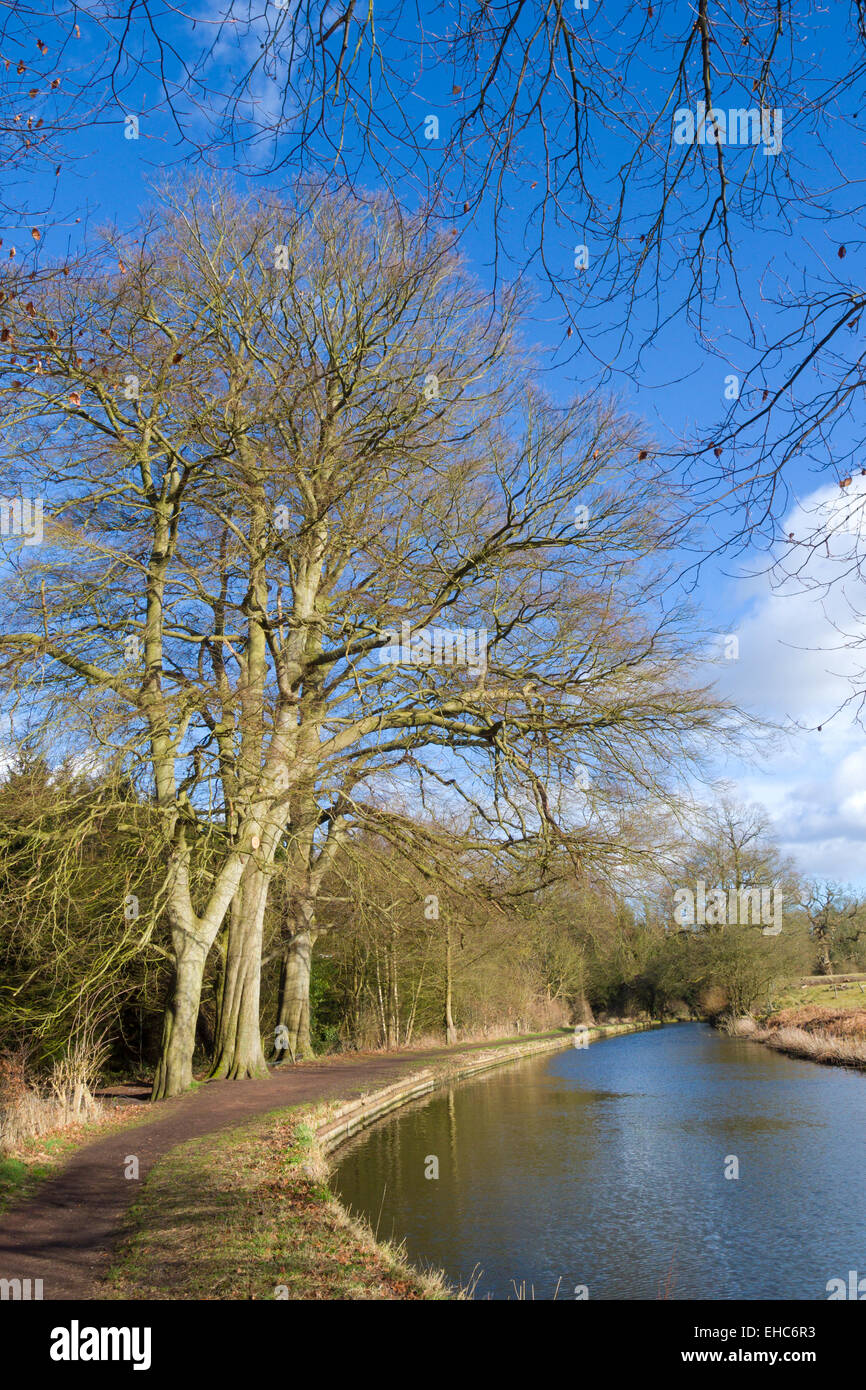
(22, 1172)
(796, 997)
(19, 1178)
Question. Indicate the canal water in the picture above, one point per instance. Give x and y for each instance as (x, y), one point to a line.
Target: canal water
(601, 1173)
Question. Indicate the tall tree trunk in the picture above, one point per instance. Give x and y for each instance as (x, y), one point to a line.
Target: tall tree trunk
(825, 964)
(305, 867)
(380, 999)
(450, 1030)
(239, 1041)
(174, 1071)
(358, 980)
(191, 938)
(393, 994)
(294, 995)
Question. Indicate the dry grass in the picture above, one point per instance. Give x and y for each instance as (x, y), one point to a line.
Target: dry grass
(30, 1109)
(745, 1027)
(836, 1037)
(818, 1046)
(841, 1023)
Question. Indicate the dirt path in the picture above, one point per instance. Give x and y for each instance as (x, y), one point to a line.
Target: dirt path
(65, 1234)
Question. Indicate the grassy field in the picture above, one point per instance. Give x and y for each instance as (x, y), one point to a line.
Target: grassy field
(821, 996)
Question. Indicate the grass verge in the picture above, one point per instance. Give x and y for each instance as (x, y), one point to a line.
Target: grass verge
(249, 1215)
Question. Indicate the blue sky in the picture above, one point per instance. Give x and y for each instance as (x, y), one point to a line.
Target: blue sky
(793, 667)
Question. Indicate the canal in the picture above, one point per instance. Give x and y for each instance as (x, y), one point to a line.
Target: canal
(678, 1163)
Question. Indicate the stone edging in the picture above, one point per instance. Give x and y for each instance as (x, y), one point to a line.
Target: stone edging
(352, 1117)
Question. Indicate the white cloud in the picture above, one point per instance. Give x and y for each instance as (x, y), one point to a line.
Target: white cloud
(802, 644)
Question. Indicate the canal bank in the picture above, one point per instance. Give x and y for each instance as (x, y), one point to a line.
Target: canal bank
(250, 1214)
(355, 1116)
(821, 1018)
(832, 1039)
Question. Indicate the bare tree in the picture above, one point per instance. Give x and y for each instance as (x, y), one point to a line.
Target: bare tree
(280, 446)
(829, 910)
